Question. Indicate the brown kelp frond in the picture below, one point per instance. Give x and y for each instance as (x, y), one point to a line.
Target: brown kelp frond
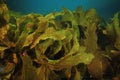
(57, 46)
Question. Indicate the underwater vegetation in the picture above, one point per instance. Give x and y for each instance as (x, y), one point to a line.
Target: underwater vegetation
(66, 45)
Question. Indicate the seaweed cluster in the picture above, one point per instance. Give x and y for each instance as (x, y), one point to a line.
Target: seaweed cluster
(64, 45)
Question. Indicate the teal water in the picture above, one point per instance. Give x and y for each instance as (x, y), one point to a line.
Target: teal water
(105, 8)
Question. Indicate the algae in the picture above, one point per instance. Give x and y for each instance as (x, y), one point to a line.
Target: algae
(48, 48)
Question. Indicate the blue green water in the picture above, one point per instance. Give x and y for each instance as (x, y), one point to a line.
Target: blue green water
(105, 8)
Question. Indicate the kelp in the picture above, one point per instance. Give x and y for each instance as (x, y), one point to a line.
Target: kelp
(3, 8)
(28, 70)
(79, 15)
(116, 26)
(51, 47)
(91, 24)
